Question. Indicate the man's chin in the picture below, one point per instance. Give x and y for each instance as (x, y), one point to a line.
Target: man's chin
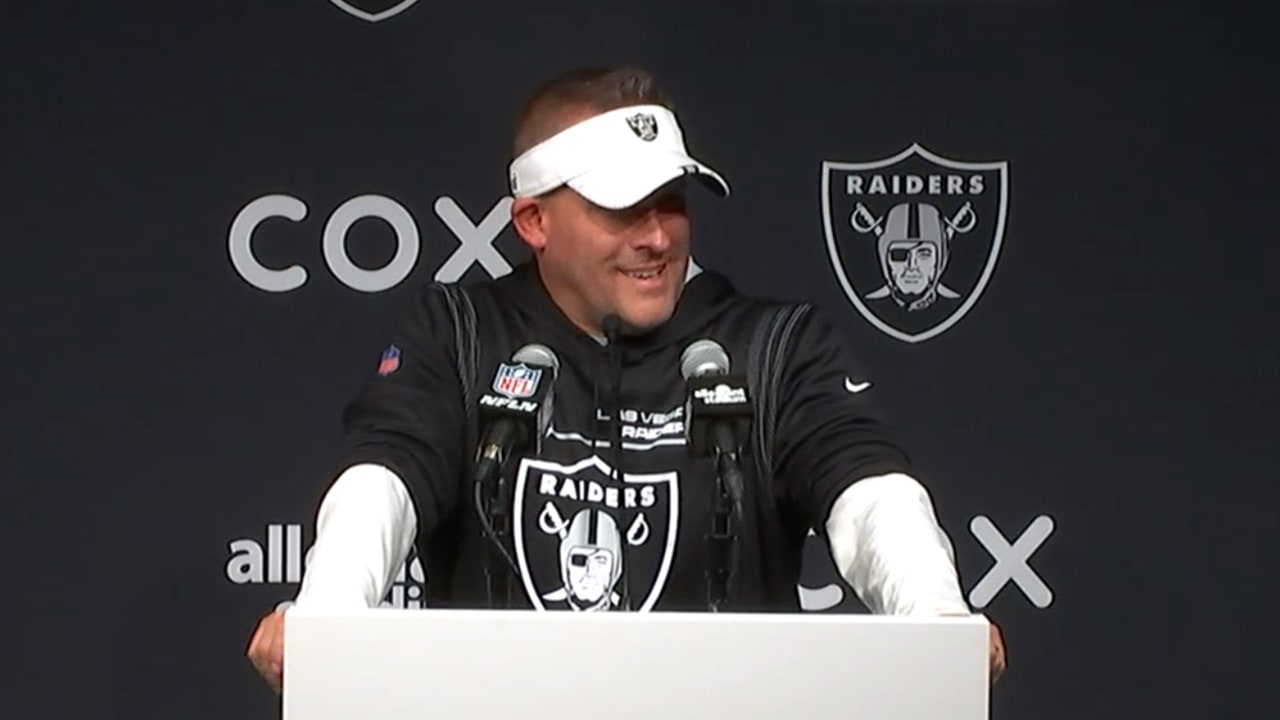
(643, 321)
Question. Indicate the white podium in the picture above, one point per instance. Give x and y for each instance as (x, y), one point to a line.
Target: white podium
(525, 665)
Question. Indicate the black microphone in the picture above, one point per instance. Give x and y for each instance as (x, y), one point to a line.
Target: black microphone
(718, 406)
(514, 413)
(717, 417)
(516, 410)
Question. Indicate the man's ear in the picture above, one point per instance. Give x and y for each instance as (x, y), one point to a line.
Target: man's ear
(530, 222)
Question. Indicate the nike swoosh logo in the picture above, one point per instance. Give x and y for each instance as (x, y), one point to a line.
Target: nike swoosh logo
(853, 387)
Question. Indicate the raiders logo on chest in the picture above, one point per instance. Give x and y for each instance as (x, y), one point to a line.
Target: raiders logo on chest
(580, 531)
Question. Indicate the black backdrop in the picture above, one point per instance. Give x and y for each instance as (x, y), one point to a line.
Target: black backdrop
(1117, 372)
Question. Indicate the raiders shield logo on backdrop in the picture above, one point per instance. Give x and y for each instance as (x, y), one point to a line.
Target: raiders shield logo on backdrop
(578, 533)
(373, 10)
(914, 238)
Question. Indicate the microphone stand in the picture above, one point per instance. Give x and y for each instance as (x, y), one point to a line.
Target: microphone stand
(501, 520)
(520, 414)
(726, 520)
(717, 412)
(491, 501)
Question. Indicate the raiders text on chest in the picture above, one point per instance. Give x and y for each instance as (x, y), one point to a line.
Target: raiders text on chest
(593, 492)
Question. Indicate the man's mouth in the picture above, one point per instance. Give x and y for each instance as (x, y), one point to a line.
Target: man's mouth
(649, 273)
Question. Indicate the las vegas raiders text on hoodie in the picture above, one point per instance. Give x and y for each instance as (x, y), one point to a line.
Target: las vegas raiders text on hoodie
(580, 537)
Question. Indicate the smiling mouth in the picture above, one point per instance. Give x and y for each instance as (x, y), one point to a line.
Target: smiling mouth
(649, 274)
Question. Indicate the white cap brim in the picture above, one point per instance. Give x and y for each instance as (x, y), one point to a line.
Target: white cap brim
(618, 185)
(614, 160)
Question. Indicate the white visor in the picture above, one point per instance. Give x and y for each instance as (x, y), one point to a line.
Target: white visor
(614, 160)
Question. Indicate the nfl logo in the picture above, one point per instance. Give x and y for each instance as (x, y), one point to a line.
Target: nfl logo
(516, 381)
(389, 362)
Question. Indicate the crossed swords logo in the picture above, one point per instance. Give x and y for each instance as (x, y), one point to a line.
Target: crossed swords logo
(551, 522)
(863, 221)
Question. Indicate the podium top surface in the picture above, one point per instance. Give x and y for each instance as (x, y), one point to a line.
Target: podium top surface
(530, 665)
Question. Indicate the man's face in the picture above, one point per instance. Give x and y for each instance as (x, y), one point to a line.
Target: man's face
(630, 262)
(913, 265)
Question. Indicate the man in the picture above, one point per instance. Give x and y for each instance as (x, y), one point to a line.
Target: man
(608, 510)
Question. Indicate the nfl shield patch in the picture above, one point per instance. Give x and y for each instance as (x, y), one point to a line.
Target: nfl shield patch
(516, 381)
(389, 362)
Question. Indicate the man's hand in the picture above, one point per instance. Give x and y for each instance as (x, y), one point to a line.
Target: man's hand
(266, 649)
(997, 653)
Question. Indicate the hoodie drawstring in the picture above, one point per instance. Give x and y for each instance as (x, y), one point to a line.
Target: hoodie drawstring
(612, 330)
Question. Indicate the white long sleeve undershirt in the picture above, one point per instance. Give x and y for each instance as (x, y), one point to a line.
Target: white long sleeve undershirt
(886, 543)
(364, 531)
(882, 532)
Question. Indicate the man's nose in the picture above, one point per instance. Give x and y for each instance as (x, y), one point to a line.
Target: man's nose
(651, 232)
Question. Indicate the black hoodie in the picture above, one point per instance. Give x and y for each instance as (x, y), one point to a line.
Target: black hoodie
(580, 539)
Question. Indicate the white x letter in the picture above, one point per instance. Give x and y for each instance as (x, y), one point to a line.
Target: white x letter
(1011, 561)
(477, 240)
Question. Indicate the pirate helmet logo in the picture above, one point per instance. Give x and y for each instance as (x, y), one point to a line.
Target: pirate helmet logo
(644, 125)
